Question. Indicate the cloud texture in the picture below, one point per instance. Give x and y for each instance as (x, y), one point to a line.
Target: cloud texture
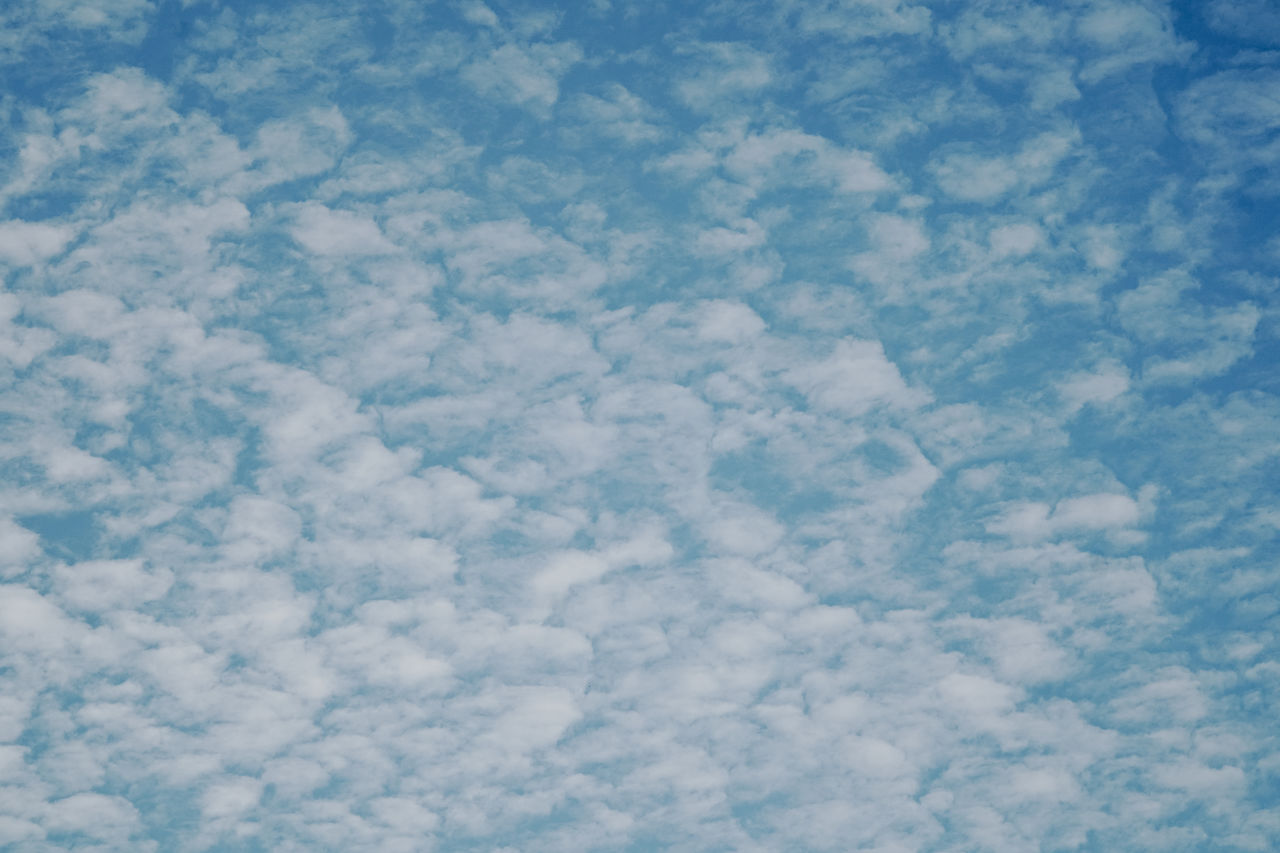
(630, 426)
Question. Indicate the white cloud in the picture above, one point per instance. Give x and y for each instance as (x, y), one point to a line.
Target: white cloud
(1133, 34)
(258, 529)
(1094, 512)
(620, 114)
(780, 156)
(1100, 386)
(1015, 240)
(856, 377)
(1206, 341)
(976, 695)
(860, 19)
(730, 322)
(230, 798)
(324, 231)
(726, 71)
(26, 243)
(898, 238)
(18, 546)
(109, 584)
(525, 76)
(974, 177)
(536, 719)
(1233, 116)
(302, 145)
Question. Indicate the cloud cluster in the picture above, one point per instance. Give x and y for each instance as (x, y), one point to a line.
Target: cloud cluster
(615, 427)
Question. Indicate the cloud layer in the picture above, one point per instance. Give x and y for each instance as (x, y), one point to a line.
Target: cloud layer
(612, 426)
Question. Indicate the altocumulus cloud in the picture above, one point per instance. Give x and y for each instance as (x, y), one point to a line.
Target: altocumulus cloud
(787, 425)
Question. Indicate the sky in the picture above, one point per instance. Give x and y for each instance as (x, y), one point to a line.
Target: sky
(804, 425)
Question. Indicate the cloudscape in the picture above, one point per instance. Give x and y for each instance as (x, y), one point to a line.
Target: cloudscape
(767, 425)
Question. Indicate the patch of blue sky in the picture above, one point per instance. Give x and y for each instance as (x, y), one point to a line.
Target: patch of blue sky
(612, 426)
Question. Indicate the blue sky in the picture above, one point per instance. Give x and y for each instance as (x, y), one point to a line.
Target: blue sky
(754, 426)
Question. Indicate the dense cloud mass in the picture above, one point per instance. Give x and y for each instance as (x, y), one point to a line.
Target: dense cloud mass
(760, 426)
